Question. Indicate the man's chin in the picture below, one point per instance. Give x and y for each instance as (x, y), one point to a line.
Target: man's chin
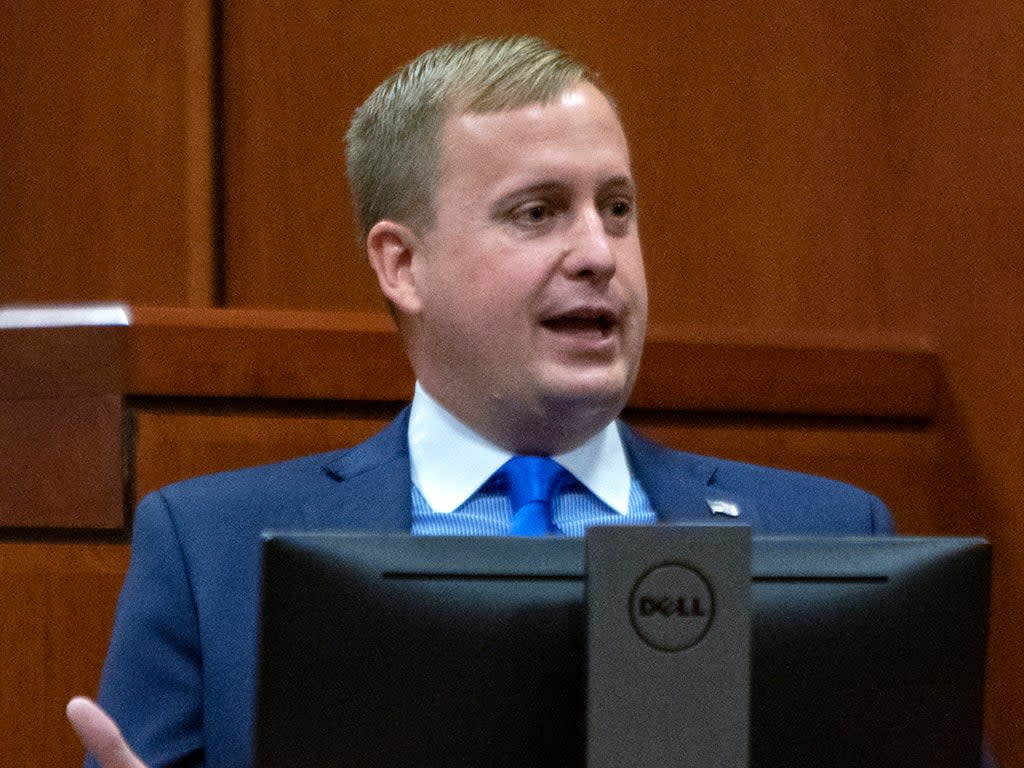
(555, 415)
(594, 393)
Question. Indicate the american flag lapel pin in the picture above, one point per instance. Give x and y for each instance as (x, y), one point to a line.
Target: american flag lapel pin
(722, 507)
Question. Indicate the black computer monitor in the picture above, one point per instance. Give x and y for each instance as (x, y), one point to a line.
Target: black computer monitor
(403, 651)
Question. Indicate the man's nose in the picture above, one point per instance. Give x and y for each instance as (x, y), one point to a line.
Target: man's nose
(591, 253)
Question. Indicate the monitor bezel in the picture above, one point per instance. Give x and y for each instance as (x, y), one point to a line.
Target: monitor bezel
(309, 576)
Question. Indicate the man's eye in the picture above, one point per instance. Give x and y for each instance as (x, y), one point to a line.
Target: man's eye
(620, 208)
(535, 213)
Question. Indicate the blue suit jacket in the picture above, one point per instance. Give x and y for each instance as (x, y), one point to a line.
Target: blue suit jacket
(180, 673)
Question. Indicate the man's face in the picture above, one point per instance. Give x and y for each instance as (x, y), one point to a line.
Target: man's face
(532, 297)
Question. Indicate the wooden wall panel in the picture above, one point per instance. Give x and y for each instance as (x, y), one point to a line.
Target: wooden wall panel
(105, 182)
(62, 463)
(760, 139)
(175, 442)
(56, 611)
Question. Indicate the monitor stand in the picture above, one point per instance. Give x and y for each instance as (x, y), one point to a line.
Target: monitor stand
(668, 646)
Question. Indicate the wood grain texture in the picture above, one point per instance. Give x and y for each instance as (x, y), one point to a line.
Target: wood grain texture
(181, 442)
(62, 362)
(766, 143)
(62, 427)
(266, 354)
(56, 611)
(105, 183)
(63, 463)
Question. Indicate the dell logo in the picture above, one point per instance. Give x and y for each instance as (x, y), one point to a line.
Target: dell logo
(671, 607)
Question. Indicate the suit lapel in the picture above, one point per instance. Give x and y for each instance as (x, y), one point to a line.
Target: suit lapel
(680, 485)
(373, 485)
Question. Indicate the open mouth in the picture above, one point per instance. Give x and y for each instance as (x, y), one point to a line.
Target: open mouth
(582, 323)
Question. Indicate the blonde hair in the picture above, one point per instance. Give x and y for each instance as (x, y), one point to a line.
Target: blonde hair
(394, 141)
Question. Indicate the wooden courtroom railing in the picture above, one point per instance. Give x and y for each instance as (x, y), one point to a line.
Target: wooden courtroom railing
(81, 391)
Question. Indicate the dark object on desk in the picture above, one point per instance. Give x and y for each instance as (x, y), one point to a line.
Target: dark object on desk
(399, 651)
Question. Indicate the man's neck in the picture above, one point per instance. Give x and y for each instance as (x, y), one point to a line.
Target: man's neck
(547, 430)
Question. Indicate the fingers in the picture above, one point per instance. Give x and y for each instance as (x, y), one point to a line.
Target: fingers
(100, 735)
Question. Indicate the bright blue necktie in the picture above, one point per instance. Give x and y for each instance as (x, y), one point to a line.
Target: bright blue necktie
(533, 482)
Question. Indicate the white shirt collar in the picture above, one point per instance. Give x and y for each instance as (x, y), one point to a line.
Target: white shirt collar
(449, 461)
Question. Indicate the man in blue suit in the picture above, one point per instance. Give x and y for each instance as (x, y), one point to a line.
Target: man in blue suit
(494, 191)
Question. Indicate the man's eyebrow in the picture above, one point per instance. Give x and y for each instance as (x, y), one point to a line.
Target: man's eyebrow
(556, 187)
(625, 183)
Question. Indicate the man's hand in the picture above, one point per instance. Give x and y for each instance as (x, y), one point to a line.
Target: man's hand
(100, 735)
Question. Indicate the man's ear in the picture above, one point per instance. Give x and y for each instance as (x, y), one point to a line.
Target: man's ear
(391, 248)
